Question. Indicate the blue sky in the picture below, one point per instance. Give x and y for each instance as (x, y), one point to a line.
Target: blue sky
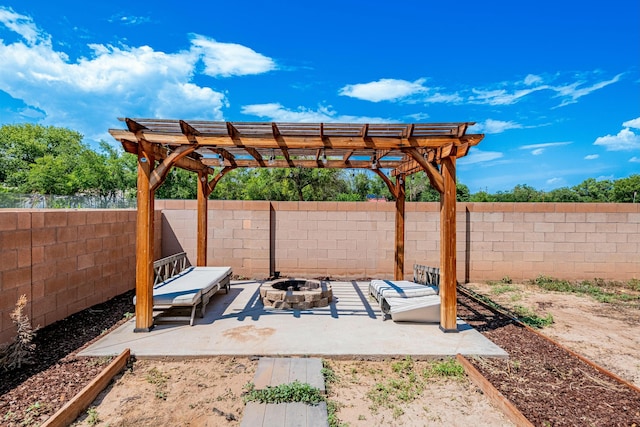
(554, 85)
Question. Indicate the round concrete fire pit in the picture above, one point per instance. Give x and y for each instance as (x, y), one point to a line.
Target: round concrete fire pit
(296, 294)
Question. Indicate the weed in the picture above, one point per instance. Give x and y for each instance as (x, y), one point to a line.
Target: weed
(9, 416)
(404, 387)
(529, 317)
(292, 392)
(502, 289)
(33, 413)
(449, 368)
(404, 366)
(128, 315)
(507, 280)
(19, 352)
(328, 373)
(332, 414)
(99, 361)
(156, 377)
(361, 418)
(599, 289)
(515, 297)
(92, 416)
(397, 412)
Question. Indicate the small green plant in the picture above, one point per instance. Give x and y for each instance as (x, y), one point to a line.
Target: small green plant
(449, 368)
(159, 379)
(404, 366)
(502, 289)
(332, 414)
(530, 318)
(92, 416)
(292, 392)
(128, 315)
(403, 387)
(328, 373)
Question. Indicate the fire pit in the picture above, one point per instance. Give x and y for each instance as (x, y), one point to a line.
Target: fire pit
(296, 294)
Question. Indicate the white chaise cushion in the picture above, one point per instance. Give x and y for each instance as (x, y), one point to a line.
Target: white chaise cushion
(399, 289)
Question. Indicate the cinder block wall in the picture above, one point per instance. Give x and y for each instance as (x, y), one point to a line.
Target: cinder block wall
(238, 233)
(356, 239)
(563, 240)
(64, 261)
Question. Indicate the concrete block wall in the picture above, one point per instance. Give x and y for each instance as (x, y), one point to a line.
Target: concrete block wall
(563, 240)
(356, 239)
(334, 239)
(64, 261)
(238, 233)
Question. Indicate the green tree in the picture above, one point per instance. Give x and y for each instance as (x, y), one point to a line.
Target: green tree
(179, 184)
(591, 190)
(563, 195)
(627, 190)
(23, 144)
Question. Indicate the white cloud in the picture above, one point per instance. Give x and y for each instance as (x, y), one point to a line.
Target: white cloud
(278, 113)
(532, 79)
(91, 92)
(230, 59)
(501, 96)
(22, 25)
(634, 159)
(572, 92)
(479, 156)
(491, 126)
(129, 19)
(555, 181)
(384, 90)
(537, 149)
(591, 156)
(510, 93)
(625, 140)
(635, 123)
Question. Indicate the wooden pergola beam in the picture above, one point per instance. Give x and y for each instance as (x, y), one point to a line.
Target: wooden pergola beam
(298, 142)
(331, 163)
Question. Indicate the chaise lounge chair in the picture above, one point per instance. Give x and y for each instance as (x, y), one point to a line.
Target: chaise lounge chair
(406, 301)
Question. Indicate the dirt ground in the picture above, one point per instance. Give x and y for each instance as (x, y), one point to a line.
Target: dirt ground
(607, 334)
(208, 392)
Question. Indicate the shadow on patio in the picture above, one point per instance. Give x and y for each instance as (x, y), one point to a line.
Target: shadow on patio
(237, 323)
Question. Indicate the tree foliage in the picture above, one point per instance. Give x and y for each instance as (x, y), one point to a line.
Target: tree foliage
(52, 160)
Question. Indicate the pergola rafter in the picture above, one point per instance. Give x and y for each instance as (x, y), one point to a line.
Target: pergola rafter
(211, 148)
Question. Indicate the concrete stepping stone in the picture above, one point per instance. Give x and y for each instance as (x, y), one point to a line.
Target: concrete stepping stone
(275, 371)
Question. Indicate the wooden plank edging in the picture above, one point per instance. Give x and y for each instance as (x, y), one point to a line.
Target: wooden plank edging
(493, 393)
(81, 401)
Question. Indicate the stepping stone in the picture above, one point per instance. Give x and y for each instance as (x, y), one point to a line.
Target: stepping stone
(285, 415)
(274, 371)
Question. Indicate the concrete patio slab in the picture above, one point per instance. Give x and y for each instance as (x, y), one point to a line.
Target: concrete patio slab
(237, 324)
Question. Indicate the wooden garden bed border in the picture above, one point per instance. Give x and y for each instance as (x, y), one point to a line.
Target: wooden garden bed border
(81, 401)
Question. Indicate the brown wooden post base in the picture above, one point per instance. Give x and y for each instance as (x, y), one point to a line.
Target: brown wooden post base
(136, 330)
(448, 331)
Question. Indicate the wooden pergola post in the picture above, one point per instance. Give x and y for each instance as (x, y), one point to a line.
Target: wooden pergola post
(203, 196)
(144, 241)
(448, 281)
(400, 203)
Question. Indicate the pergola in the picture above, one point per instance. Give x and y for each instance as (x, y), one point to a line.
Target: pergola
(211, 149)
